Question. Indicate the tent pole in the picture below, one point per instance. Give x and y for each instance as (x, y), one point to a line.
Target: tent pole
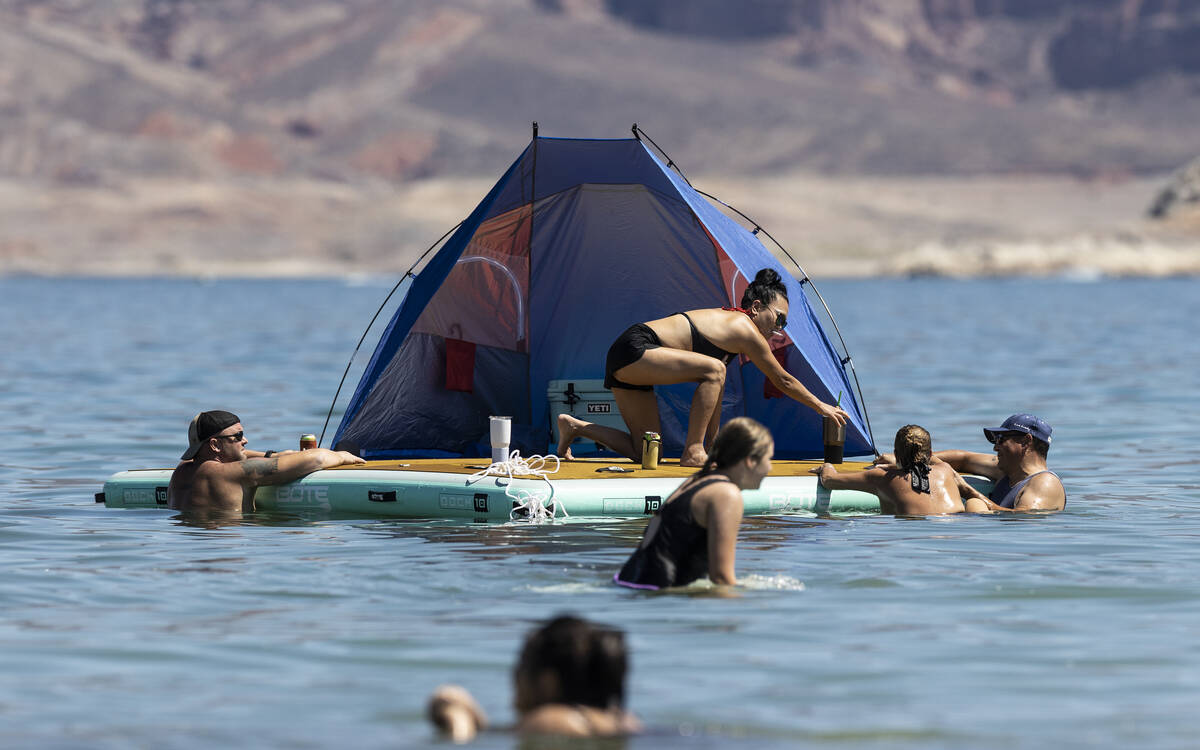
(407, 275)
(670, 163)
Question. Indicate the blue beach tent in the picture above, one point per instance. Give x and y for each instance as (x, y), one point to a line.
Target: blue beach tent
(578, 240)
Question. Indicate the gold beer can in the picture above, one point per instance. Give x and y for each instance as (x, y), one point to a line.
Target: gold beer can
(308, 440)
(651, 445)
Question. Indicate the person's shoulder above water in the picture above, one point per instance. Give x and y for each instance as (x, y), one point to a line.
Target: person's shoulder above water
(1043, 491)
(579, 721)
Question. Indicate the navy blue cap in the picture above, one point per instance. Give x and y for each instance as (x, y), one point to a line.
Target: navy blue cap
(1026, 423)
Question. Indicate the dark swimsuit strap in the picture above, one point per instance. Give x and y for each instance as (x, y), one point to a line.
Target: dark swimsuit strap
(700, 483)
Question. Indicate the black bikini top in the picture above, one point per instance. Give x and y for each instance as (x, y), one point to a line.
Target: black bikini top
(702, 345)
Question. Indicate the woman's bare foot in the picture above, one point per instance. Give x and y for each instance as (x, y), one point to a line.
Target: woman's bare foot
(693, 456)
(568, 428)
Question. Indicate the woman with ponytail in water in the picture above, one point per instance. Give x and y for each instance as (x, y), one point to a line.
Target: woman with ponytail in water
(695, 531)
(915, 485)
(692, 347)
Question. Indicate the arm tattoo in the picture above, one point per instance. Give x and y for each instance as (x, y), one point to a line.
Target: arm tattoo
(259, 468)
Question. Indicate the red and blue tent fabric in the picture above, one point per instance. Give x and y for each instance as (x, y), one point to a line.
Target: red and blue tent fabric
(577, 241)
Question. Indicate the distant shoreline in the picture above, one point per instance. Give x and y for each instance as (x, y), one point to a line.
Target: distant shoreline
(1165, 265)
(835, 227)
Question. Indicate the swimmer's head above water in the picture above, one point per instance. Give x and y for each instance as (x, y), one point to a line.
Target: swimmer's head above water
(914, 451)
(570, 660)
(913, 446)
(739, 439)
(569, 681)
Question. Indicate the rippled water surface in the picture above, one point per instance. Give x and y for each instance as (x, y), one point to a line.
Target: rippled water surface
(125, 628)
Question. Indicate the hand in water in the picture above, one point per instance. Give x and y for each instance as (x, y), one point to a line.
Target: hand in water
(456, 713)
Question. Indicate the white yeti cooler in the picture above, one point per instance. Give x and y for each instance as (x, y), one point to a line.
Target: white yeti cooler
(588, 400)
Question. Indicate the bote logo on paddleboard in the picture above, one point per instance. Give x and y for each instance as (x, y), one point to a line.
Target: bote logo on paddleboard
(305, 495)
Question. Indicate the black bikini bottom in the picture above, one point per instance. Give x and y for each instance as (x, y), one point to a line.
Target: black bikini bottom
(627, 349)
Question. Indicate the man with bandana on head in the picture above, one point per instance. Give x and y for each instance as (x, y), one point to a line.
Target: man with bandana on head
(217, 476)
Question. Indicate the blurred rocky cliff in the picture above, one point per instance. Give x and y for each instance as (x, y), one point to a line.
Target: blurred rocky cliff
(135, 134)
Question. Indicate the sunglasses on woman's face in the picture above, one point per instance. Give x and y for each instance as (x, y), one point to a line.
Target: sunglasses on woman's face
(780, 318)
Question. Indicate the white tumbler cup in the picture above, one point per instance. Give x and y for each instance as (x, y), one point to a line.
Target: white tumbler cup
(501, 430)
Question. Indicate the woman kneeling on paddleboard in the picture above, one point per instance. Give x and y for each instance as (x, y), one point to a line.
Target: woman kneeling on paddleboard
(695, 531)
(694, 346)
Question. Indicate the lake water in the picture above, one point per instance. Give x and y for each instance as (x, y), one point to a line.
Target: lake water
(126, 628)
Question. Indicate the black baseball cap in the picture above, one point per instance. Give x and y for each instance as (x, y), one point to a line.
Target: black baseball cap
(204, 425)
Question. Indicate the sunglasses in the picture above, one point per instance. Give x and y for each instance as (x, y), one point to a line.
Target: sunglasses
(235, 437)
(780, 318)
(1007, 436)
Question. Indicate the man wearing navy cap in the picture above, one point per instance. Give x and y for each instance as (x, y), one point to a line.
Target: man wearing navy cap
(1017, 466)
(217, 476)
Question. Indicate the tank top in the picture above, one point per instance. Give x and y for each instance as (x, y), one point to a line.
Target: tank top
(701, 344)
(677, 554)
(1008, 493)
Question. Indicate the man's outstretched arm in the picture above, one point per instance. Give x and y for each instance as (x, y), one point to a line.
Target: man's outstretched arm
(967, 462)
(280, 469)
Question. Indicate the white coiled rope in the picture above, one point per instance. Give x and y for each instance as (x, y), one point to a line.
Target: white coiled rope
(531, 504)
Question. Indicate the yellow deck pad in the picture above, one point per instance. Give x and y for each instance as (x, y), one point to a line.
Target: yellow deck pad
(585, 468)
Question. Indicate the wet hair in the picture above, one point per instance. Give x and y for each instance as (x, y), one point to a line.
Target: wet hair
(739, 439)
(765, 288)
(1041, 447)
(913, 446)
(570, 660)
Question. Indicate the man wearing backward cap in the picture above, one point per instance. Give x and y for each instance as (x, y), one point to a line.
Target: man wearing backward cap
(218, 476)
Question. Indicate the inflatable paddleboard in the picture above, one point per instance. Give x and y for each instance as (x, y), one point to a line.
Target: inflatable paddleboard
(455, 488)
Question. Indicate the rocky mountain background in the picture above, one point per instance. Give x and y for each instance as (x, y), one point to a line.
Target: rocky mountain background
(249, 137)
